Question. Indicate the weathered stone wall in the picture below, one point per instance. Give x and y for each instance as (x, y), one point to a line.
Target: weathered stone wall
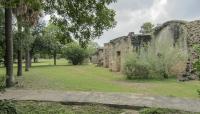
(116, 51)
(113, 54)
(100, 56)
(191, 30)
(119, 48)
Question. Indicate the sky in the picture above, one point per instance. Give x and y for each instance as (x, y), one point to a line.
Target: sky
(131, 14)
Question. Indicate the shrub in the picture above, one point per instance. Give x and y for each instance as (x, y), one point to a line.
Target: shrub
(7, 107)
(158, 59)
(2, 83)
(134, 69)
(74, 53)
(198, 91)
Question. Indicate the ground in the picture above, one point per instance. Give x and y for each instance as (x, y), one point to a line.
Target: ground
(32, 107)
(57, 108)
(45, 75)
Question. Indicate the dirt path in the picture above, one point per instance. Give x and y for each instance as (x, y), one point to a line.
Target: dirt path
(115, 99)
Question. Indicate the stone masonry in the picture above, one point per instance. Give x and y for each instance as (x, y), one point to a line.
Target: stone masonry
(113, 54)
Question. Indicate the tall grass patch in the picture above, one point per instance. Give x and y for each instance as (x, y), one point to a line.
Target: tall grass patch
(159, 59)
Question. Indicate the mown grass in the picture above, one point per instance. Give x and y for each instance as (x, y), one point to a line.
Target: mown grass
(44, 75)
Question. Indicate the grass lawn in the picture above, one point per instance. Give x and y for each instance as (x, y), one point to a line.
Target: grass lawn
(31, 107)
(44, 75)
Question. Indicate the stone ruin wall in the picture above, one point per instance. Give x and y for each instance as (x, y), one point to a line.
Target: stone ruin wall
(115, 52)
(107, 56)
(99, 56)
(192, 31)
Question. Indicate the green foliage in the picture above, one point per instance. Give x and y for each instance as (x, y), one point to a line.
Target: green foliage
(135, 69)
(162, 111)
(83, 20)
(74, 53)
(7, 107)
(147, 28)
(58, 108)
(198, 91)
(2, 83)
(92, 48)
(50, 37)
(2, 42)
(158, 59)
(197, 63)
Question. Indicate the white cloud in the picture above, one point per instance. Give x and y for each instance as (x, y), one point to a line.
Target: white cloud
(131, 14)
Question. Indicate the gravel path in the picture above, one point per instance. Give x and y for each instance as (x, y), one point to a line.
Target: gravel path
(115, 99)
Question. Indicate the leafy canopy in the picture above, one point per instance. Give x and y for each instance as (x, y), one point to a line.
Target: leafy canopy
(147, 28)
(83, 20)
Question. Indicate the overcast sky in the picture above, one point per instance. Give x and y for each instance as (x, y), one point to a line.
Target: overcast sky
(131, 14)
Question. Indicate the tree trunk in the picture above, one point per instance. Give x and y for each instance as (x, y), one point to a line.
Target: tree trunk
(54, 57)
(5, 64)
(27, 57)
(19, 52)
(35, 60)
(30, 59)
(19, 64)
(9, 47)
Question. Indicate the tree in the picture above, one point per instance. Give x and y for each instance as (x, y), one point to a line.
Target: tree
(2, 38)
(92, 48)
(19, 11)
(30, 18)
(147, 28)
(83, 20)
(50, 34)
(9, 47)
(74, 53)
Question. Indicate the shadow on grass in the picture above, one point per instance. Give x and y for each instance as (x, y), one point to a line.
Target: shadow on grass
(42, 66)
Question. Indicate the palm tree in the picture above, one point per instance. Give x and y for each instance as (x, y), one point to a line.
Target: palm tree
(19, 11)
(26, 17)
(9, 47)
(31, 17)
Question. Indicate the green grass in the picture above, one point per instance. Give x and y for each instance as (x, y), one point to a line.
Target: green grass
(30, 107)
(162, 111)
(44, 75)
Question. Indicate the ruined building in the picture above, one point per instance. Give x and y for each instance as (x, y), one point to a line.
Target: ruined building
(113, 54)
(185, 34)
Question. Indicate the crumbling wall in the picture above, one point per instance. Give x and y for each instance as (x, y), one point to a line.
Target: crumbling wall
(119, 49)
(191, 30)
(114, 53)
(106, 55)
(100, 57)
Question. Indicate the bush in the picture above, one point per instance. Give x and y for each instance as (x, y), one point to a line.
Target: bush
(134, 69)
(7, 107)
(74, 53)
(158, 59)
(2, 83)
(198, 91)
